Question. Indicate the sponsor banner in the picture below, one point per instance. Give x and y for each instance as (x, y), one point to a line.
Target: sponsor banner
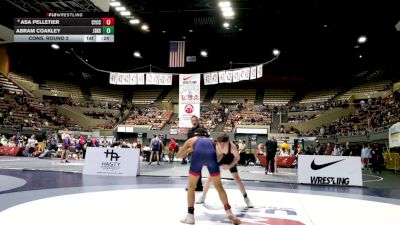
(253, 73)
(329, 170)
(189, 98)
(112, 161)
(394, 136)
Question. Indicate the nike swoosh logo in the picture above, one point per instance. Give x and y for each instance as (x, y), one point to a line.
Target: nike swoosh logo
(318, 167)
(186, 78)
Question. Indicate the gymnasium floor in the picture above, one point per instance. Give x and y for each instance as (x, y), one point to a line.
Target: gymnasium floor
(34, 191)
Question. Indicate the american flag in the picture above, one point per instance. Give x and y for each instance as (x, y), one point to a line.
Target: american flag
(177, 54)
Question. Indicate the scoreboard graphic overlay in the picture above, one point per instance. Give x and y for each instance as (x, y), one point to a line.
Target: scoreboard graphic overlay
(64, 27)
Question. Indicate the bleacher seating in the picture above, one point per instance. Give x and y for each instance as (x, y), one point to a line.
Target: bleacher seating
(319, 96)
(106, 94)
(21, 77)
(152, 117)
(65, 86)
(145, 96)
(235, 95)
(247, 118)
(9, 86)
(365, 89)
(277, 97)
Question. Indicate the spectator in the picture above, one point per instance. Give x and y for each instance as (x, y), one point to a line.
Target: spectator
(172, 149)
(329, 149)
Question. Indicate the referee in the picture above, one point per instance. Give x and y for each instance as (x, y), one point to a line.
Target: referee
(195, 125)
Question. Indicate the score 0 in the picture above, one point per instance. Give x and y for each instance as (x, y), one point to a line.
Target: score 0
(108, 21)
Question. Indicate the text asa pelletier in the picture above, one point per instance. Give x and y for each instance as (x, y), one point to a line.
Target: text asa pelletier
(39, 22)
(38, 31)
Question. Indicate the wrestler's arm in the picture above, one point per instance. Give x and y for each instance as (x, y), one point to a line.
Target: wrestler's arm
(186, 148)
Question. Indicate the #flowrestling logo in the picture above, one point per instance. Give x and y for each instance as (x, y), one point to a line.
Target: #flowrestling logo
(113, 163)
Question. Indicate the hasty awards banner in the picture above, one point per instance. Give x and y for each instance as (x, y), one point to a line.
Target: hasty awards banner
(189, 98)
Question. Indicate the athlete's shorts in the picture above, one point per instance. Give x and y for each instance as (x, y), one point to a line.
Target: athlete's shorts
(204, 157)
(233, 169)
(155, 150)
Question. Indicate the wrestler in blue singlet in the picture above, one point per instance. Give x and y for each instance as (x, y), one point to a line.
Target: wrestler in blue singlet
(204, 154)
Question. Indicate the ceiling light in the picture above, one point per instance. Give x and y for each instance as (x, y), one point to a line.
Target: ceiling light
(226, 25)
(55, 46)
(134, 21)
(360, 56)
(190, 31)
(163, 31)
(125, 13)
(121, 8)
(115, 4)
(276, 52)
(228, 14)
(204, 53)
(145, 27)
(362, 39)
(224, 4)
(227, 9)
(137, 54)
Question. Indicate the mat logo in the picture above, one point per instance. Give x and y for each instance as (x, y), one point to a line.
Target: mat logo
(274, 212)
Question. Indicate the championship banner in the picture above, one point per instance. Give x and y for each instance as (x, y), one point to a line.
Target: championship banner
(156, 78)
(259, 71)
(214, 78)
(246, 72)
(168, 79)
(161, 79)
(112, 161)
(113, 78)
(253, 73)
(222, 78)
(140, 78)
(149, 78)
(235, 77)
(126, 78)
(329, 170)
(228, 76)
(133, 79)
(119, 78)
(207, 78)
(189, 98)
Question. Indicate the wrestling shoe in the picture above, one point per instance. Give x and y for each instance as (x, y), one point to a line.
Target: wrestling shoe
(233, 218)
(201, 200)
(189, 219)
(248, 203)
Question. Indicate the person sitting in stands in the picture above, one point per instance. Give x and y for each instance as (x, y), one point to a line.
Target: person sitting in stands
(38, 150)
